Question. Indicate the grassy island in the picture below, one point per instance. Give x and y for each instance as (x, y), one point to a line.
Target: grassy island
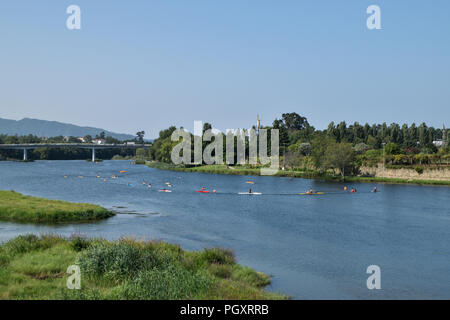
(33, 267)
(17, 207)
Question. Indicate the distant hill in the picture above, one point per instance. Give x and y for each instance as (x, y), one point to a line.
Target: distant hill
(44, 128)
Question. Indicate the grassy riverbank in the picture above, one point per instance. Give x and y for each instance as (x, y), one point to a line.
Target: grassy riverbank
(239, 170)
(17, 207)
(34, 267)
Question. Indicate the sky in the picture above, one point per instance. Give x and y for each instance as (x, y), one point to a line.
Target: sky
(146, 65)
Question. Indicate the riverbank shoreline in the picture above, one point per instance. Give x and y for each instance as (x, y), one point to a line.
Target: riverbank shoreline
(35, 267)
(226, 170)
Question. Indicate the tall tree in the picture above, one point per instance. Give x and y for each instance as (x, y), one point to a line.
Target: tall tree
(340, 156)
(140, 137)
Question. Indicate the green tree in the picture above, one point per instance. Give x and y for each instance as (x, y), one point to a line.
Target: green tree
(305, 148)
(392, 148)
(340, 156)
(140, 137)
(319, 147)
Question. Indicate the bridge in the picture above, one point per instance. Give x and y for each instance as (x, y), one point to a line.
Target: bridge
(93, 147)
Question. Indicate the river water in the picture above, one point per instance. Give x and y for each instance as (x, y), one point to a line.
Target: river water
(315, 247)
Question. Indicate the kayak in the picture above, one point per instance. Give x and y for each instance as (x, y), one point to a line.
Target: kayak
(250, 182)
(311, 194)
(202, 191)
(123, 171)
(255, 193)
(164, 190)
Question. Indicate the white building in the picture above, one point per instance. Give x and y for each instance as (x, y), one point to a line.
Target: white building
(99, 141)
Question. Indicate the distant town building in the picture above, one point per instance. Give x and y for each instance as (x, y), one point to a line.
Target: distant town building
(99, 141)
(66, 138)
(82, 139)
(130, 143)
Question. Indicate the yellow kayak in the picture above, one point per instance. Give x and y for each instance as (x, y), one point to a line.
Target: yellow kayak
(123, 171)
(311, 193)
(250, 182)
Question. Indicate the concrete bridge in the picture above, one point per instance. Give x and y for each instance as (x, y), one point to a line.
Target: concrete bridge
(93, 147)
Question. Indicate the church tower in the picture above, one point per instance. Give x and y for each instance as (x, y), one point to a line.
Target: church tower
(258, 124)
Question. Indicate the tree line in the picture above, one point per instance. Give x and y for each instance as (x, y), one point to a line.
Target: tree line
(341, 148)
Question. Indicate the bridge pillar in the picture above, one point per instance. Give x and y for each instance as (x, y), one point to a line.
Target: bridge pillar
(93, 154)
(25, 154)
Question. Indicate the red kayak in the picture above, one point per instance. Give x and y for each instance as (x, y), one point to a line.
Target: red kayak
(203, 191)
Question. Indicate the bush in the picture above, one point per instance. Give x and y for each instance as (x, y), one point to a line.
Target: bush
(30, 242)
(123, 259)
(223, 271)
(218, 256)
(419, 170)
(361, 147)
(247, 275)
(305, 148)
(392, 148)
(170, 283)
(78, 243)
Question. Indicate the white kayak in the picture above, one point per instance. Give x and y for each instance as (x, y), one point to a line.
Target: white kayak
(253, 193)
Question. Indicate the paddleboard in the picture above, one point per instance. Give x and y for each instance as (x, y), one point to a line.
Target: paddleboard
(253, 193)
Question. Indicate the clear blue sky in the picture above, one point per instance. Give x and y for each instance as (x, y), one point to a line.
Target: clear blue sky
(150, 64)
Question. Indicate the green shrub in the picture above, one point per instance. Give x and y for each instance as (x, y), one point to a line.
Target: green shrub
(30, 242)
(250, 276)
(123, 259)
(419, 170)
(78, 243)
(169, 283)
(218, 256)
(223, 271)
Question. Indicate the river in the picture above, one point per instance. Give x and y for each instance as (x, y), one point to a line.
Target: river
(315, 247)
